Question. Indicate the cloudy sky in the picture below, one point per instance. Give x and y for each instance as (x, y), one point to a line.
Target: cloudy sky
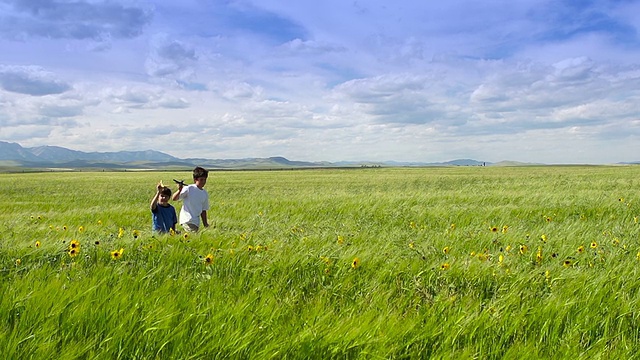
(552, 81)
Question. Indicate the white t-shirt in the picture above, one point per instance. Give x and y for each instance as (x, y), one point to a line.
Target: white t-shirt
(194, 202)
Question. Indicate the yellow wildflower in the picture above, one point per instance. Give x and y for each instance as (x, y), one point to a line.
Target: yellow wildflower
(208, 259)
(445, 266)
(355, 263)
(446, 250)
(539, 255)
(117, 254)
(523, 249)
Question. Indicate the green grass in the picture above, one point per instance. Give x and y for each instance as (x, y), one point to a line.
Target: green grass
(510, 284)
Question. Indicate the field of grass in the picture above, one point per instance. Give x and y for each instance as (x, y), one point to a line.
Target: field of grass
(478, 262)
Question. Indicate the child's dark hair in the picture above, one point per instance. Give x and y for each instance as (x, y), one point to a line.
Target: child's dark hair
(199, 172)
(165, 191)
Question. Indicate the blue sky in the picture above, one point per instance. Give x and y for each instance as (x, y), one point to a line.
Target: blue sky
(531, 81)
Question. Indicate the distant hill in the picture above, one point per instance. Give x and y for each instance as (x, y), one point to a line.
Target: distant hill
(58, 154)
(459, 162)
(13, 151)
(14, 156)
(514, 163)
(257, 163)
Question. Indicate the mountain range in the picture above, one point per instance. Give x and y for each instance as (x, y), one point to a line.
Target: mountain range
(13, 155)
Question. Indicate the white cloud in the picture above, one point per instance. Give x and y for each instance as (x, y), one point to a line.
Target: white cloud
(30, 80)
(297, 46)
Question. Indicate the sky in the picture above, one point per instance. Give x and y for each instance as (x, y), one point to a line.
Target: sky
(540, 81)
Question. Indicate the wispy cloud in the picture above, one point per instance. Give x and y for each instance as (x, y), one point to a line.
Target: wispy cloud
(71, 19)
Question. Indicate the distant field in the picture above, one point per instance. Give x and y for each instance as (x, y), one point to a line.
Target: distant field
(456, 262)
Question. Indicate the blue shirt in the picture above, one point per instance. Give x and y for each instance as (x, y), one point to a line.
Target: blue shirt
(164, 218)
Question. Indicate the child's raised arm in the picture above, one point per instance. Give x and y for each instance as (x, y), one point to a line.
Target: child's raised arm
(154, 201)
(176, 196)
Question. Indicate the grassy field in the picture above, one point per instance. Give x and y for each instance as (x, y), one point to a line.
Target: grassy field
(474, 262)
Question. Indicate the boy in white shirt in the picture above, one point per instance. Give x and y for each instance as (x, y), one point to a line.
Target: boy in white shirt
(195, 201)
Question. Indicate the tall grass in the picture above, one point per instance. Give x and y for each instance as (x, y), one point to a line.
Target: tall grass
(532, 262)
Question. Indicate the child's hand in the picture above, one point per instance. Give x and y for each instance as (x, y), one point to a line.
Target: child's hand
(160, 186)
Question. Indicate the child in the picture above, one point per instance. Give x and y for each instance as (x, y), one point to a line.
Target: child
(163, 214)
(195, 201)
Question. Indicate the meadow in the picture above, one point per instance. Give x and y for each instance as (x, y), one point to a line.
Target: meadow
(384, 263)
